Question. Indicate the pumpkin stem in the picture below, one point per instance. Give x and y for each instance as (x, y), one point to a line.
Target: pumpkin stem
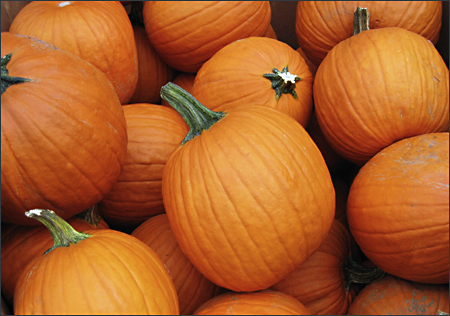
(63, 234)
(442, 313)
(198, 117)
(360, 20)
(90, 215)
(356, 273)
(283, 82)
(6, 80)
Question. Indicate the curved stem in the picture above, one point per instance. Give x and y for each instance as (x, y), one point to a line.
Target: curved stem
(198, 117)
(6, 79)
(360, 20)
(90, 215)
(63, 234)
(356, 273)
(283, 82)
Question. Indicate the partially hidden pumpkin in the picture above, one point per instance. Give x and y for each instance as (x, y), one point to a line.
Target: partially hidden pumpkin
(256, 70)
(64, 136)
(248, 194)
(99, 32)
(398, 208)
(96, 272)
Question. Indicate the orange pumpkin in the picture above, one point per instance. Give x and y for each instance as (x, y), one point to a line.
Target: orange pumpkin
(187, 33)
(239, 188)
(398, 208)
(265, 302)
(270, 33)
(154, 132)
(321, 25)
(64, 135)
(394, 296)
(256, 70)
(99, 32)
(193, 288)
(95, 272)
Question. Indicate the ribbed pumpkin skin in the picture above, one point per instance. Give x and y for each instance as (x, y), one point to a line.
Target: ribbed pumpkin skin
(234, 76)
(395, 86)
(319, 282)
(398, 209)
(394, 296)
(249, 199)
(265, 302)
(187, 33)
(193, 288)
(99, 32)
(107, 273)
(153, 71)
(154, 132)
(321, 25)
(63, 135)
(23, 244)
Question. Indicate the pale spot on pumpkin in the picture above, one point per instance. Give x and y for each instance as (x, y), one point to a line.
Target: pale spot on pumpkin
(63, 4)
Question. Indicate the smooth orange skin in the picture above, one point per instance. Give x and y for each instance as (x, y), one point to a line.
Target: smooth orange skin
(99, 32)
(394, 86)
(319, 282)
(234, 76)
(109, 273)
(63, 134)
(193, 288)
(321, 25)
(154, 132)
(265, 302)
(187, 33)
(398, 209)
(394, 296)
(249, 199)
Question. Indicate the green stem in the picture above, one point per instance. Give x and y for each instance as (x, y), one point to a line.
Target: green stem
(356, 273)
(198, 117)
(6, 79)
(63, 234)
(90, 215)
(283, 82)
(360, 20)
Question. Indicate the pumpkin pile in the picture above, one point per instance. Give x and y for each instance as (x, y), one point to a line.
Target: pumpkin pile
(184, 157)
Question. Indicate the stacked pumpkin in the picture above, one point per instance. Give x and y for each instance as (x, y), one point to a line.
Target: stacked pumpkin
(222, 170)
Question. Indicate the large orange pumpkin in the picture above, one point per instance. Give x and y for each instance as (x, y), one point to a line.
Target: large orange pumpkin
(63, 139)
(256, 70)
(398, 208)
(321, 25)
(248, 194)
(394, 86)
(193, 288)
(98, 31)
(187, 33)
(96, 272)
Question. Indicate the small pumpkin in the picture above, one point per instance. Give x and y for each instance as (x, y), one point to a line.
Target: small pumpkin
(394, 296)
(193, 288)
(120, 275)
(187, 33)
(267, 302)
(64, 134)
(239, 187)
(398, 207)
(99, 32)
(256, 70)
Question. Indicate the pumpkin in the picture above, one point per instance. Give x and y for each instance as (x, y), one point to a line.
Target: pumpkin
(22, 244)
(325, 282)
(193, 288)
(248, 194)
(184, 80)
(321, 25)
(256, 70)
(187, 33)
(394, 296)
(270, 32)
(265, 302)
(398, 208)
(312, 67)
(120, 275)
(99, 32)
(154, 131)
(395, 86)
(64, 138)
